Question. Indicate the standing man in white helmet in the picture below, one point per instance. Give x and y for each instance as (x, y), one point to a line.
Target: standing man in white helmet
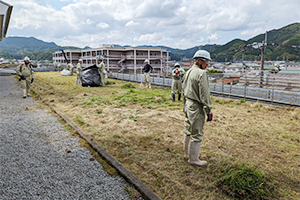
(78, 70)
(197, 105)
(147, 70)
(26, 74)
(101, 67)
(177, 75)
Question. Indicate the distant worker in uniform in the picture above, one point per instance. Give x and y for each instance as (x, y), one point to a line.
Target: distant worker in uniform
(70, 67)
(26, 74)
(177, 75)
(147, 70)
(78, 70)
(197, 105)
(101, 67)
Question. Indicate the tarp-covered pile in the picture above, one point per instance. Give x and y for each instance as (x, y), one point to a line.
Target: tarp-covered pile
(90, 76)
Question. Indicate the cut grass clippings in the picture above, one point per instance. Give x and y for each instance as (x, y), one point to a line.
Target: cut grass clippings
(246, 145)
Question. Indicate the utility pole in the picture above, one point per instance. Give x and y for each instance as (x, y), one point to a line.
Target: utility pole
(262, 61)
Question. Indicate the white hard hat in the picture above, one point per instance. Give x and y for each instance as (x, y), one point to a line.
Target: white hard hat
(177, 64)
(146, 61)
(26, 58)
(202, 54)
(80, 60)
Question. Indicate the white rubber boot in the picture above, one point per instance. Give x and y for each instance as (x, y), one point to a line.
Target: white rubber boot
(186, 144)
(194, 154)
(28, 93)
(24, 93)
(149, 85)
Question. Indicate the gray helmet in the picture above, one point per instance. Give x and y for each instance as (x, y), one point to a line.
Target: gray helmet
(27, 59)
(177, 65)
(202, 54)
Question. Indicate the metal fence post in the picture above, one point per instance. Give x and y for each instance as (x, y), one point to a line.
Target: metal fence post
(273, 89)
(222, 85)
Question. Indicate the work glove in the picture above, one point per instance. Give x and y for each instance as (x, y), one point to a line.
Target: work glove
(22, 77)
(149, 72)
(32, 80)
(209, 117)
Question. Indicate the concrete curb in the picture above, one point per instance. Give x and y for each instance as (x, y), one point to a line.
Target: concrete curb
(139, 185)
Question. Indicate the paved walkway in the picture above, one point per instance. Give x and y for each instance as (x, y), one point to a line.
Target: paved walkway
(39, 160)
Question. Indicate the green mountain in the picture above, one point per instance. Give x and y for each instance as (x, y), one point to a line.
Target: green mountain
(19, 47)
(279, 46)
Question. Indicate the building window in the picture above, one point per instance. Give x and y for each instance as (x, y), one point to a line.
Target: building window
(143, 54)
(150, 54)
(137, 54)
(155, 54)
(137, 63)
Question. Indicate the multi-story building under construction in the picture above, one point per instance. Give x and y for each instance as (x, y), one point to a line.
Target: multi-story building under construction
(118, 59)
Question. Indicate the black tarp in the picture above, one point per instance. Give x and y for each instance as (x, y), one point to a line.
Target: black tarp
(90, 76)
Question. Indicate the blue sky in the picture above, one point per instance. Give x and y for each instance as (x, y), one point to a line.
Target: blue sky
(174, 23)
(57, 5)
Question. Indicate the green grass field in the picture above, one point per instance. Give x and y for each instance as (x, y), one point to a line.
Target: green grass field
(252, 150)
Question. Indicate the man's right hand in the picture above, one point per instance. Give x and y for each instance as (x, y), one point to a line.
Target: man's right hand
(22, 77)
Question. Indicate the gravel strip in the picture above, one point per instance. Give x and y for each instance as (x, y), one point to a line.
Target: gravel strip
(39, 160)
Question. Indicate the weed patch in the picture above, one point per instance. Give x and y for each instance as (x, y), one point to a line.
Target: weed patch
(246, 182)
(242, 100)
(127, 86)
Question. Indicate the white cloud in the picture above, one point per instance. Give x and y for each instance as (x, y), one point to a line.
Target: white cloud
(103, 25)
(131, 23)
(213, 37)
(177, 23)
(148, 38)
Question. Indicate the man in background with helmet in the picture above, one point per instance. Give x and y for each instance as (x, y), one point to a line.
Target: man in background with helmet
(147, 70)
(177, 75)
(26, 74)
(197, 105)
(101, 68)
(78, 70)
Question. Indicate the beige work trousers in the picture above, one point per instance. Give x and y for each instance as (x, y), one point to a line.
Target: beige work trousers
(194, 120)
(147, 78)
(176, 86)
(102, 79)
(25, 84)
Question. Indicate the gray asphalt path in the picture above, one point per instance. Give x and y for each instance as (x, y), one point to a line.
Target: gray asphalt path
(39, 160)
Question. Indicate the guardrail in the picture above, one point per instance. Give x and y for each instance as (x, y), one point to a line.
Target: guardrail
(271, 96)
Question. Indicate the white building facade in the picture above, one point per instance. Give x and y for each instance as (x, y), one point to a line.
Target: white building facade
(118, 59)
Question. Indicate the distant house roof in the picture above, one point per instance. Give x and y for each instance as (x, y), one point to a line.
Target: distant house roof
(188, 64)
